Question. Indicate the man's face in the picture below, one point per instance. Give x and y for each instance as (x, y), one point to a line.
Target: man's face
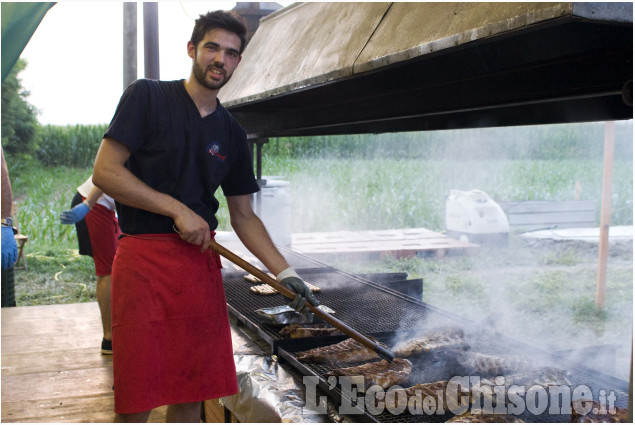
(215, 58)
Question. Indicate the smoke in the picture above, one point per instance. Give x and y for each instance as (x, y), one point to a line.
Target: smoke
(542, 296)
(538, 299)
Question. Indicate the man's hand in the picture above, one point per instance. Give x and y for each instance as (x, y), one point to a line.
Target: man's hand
(193, 229)
(77, 213)
(291, 280)
(9, 248)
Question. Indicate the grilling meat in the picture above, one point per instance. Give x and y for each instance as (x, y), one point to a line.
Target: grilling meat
(313, 288)
(308, 330)
(477, 416)
(415, 396)
(491, 365)
(544, 377)
(382, 373)
(265, 289)
(347, 351)
(516, 384)
(252, 279)
(443, 338)
(618, 415)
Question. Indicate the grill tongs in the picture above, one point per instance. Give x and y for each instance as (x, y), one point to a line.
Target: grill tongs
(362, 339)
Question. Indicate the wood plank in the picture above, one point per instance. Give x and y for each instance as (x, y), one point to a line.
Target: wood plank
(50, 326)
(92, 408)
(50, 311)
(52, 369)
(12, 344)
(63, 383)
(95, 408)
(363, 236)
(378, 243)
(22, 363)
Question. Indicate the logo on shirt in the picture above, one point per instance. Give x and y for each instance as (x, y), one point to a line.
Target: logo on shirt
(214, 149)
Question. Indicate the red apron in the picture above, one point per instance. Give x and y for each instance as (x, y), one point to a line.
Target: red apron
(170, 329)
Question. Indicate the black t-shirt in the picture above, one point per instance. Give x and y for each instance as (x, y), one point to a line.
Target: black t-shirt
(175, 151)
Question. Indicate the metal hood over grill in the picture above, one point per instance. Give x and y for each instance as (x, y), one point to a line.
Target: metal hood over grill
(341, 68)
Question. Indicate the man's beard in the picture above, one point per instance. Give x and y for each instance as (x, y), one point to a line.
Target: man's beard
(200, 75)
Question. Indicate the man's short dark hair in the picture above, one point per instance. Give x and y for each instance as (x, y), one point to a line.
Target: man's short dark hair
(228, 21)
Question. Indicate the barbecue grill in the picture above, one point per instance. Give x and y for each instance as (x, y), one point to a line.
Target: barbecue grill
(386, 314)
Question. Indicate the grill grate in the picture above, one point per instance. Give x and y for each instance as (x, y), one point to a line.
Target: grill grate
(364, 306)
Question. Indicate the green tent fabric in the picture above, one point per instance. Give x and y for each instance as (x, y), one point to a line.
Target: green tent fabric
(19, 22)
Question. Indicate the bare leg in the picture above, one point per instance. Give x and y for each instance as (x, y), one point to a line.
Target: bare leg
(103, 299)
(132, 417)
(184, 413)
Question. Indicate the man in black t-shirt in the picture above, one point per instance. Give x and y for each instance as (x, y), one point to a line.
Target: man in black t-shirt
(169, 146)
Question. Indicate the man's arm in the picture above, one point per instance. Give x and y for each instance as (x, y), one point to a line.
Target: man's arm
(253, 234)
(111, 176)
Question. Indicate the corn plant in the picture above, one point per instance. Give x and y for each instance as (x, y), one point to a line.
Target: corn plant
(72, 146)
(40, 194)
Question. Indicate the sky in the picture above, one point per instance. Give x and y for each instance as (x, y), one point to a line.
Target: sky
(75, 57)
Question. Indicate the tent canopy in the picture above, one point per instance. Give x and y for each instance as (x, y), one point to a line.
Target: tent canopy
(341, 68)
(19, 22)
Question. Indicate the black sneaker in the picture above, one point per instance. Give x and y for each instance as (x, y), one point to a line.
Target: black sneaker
(106, 346)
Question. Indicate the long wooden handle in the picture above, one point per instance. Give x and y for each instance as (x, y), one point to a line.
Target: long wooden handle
(362, 339)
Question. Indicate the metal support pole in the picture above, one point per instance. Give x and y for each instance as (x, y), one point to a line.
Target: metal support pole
(258, 142)
(151, 40)
(129, 43)
(605, 218)
(259, 160)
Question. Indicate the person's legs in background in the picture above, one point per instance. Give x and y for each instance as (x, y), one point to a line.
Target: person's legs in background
(104, 232)
(103, 300)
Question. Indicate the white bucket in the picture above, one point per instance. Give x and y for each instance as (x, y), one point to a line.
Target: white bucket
(275, 210)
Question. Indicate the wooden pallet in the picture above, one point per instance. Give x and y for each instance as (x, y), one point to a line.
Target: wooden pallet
(372, 244)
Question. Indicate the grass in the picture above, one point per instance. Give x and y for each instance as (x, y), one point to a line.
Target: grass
(57, 278)
(41, 194)
(56, 273)
(375, 194)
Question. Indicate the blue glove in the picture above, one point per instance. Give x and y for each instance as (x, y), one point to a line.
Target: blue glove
(9, 248)
(74, 215)
(291, 280)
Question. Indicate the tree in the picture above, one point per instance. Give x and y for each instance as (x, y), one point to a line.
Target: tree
(19, 121)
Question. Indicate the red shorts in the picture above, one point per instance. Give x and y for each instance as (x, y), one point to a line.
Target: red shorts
(103, 230)
(170, 327)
